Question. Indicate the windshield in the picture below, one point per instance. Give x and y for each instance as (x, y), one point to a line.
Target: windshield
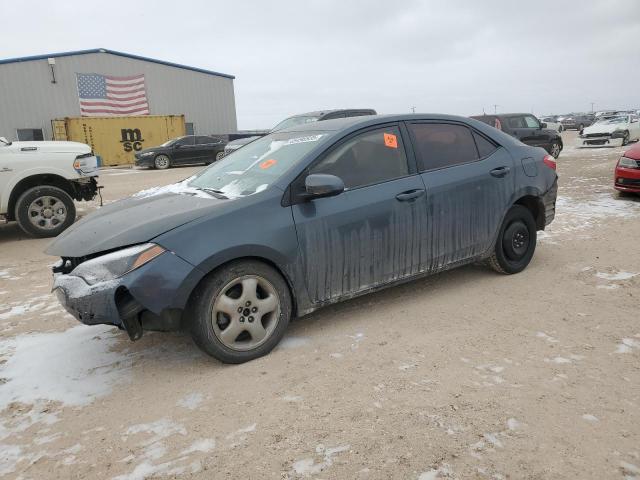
(616, 120)
(255, 166)
(170, 142)
(293, 121)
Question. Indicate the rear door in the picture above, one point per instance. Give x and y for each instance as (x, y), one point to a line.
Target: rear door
(370, 234)
(469, 181)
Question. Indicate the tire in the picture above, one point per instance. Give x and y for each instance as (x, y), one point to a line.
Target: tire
(162, 162)
(219, 156)
(45, 211)
(554, 149)
(581, 127)
(625, 139)
(560, 129)
(227, 299)
(509, 256)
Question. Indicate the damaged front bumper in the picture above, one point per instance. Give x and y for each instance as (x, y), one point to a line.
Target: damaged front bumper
(149, 298)
(599, 141)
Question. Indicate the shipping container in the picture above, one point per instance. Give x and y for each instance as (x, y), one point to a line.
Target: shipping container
(117, 139)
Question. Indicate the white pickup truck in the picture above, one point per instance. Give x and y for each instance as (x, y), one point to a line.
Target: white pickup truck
(40, 180)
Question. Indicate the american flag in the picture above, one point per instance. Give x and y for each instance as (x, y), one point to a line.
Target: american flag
(105, 95)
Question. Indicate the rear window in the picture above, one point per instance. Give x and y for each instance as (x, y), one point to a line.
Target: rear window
(440, 145)
(485, 147)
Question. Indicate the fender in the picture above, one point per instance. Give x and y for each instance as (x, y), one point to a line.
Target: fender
(5, 194)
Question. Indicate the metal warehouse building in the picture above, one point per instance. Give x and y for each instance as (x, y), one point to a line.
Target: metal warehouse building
(36, 90)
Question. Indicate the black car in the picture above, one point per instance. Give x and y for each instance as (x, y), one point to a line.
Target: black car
(577, 121)
(301, 120)
(526, 128)
(182, 150)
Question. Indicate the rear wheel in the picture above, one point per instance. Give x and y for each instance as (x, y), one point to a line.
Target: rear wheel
(240, 312)
(45, 211)
(219, 156)
(560, 128)
(162, 162)
(554, 149)
(516, 241)
(581, 127)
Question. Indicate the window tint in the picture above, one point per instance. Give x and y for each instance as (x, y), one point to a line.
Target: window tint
(531, 122)
(30, 134)
(441, 145)
(485, 147)
(517, 122)
(372, 157)
(186, 141)
(204, 140)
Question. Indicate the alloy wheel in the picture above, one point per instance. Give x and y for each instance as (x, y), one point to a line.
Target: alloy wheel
(47, 212)
(246, 312)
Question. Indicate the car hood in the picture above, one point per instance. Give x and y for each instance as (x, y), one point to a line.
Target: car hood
(53, 146)
(603, 128)
(137, 219)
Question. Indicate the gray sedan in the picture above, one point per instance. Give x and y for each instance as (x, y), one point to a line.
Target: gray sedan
(303, 218)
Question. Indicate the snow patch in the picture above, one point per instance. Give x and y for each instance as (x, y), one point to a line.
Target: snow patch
(621, 275)
(191, 401)
(293, 342)
(308, 466)
(204, 446)
(443, 471)
(590, 418)
(627, 345)
(513, 424)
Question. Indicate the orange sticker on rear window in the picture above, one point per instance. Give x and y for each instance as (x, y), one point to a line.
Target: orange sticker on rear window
(390, 140)
(268, 164)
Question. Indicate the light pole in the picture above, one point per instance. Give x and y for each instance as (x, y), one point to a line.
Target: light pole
(413, 109)
(592, 104)
(495, 108)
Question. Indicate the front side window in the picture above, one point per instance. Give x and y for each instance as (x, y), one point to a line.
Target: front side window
(369, 158)
(440, 145)
(517, 122)
(258, 164)
(531, 122)
(30, 134)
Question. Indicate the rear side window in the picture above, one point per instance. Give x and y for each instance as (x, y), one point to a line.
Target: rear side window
(372, 157)
(440, 145)
(485, 147)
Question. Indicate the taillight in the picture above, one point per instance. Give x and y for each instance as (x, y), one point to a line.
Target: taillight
(549, 161)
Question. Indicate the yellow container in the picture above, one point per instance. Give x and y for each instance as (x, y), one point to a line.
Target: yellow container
(117, 139)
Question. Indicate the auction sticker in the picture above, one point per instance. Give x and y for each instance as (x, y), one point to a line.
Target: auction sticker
(390, 140)
(268, 164)
(308, 138)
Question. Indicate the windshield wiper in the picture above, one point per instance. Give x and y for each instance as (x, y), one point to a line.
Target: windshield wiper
(214, 193)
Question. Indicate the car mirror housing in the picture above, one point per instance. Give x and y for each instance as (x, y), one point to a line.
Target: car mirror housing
(320, 185)
(543, 125)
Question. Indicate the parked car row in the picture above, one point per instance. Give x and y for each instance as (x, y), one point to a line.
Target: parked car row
(190, 149)
(611, 131)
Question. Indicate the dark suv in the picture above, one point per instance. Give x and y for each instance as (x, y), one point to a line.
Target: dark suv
(526, 128)
(577, 121)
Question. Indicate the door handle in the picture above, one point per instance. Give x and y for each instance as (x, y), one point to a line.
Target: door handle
(410, 195)
(500, 171)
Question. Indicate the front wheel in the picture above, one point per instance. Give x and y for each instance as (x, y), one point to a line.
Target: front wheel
(45, 211)
(625, 139)
(581, 127)
(554, 149)
(560, 129)
(219, 156)
(240, 311)
(516, 242)
(162, 162)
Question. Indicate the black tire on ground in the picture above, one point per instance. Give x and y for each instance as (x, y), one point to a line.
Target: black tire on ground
(516, 242)
(581, 127)
(560, 129)
(200, 318)
(219, 156)
(49, 226)
(554, 149)
(625, 139)
(162, 162)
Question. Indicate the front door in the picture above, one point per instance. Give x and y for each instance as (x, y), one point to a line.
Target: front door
(469, 182)
(370, 234)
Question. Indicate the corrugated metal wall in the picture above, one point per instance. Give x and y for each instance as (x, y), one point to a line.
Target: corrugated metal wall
(28, 99)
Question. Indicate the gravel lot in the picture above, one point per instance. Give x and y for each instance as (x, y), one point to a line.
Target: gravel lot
(467, 374)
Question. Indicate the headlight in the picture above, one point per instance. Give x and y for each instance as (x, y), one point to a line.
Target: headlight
(628, 163)
(146, 154)
(116, 264)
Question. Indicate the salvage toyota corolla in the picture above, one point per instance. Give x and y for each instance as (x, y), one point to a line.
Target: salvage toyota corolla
(302, 218)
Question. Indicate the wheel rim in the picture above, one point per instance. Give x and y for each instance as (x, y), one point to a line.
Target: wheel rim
(47, 212)
(625, 139)
(516, 240)
(162, 161)
(555, 150)
(219, 155)
(245, 313)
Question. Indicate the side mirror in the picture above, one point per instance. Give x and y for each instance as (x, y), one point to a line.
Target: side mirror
(320, 185)
(543, 125)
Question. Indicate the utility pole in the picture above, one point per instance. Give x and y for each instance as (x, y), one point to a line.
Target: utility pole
(413, 109)
(592, 104)
(495, 108)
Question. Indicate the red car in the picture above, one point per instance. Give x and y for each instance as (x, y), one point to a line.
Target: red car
(627, 176)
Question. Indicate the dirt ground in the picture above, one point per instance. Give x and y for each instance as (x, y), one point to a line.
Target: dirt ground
(467, 374)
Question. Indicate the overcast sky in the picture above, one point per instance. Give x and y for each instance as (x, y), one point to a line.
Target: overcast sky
(295, 56)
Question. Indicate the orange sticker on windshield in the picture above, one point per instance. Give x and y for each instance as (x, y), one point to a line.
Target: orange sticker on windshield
(268, 164)
(390, 140)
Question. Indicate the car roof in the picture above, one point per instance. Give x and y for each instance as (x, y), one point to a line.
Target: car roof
(322, 113)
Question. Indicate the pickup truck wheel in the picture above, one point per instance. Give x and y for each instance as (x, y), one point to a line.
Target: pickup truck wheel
(240, 311)
(516, 242)
(554, 149)
(162, 162)
(45, 211)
